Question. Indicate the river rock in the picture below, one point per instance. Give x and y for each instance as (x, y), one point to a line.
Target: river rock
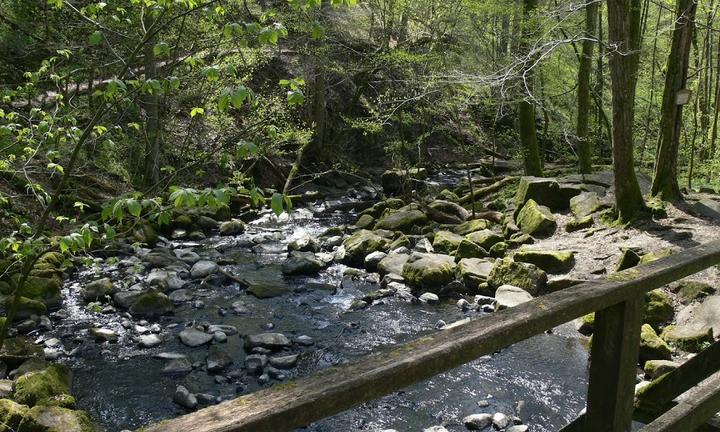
(655, 368)
(651, 346)
(447, 212)
(550, 261)
(177, 366)
(470, 249)
(396, 180)
(362, 244)
(284, 362)
(56, 418)
(151, 304)
(32, 387)
(255, 363)
(430, 298)
(97, 290)
(429, 272)
(658, 308)
(365, 221)
(435, 429)
(302, 263)
(507, 296)
(304, 244)
(373, 259)
(585, 204)
(232, 227)
(518, 428)
(478, 421)
(193, 337)
(500, 420)
(522, 275)
(271, 341)
(474, 271)
(687, 337)
(149, 341)
(446, 241)
(486, 238)
(184, 398)
(203, 269)
(536, 220)
(104, 335)
(703, 314)
(217, 359)
(402, 220)
(181, 296)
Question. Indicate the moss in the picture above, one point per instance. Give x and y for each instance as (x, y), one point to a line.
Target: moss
(624, 276)
(688, 338)
(689, 291)
(45, 289)
(550, 261)
(26, 308)
(401, 241)
(11, 414)
(63, 400)
(360, 245)
(535, 219)
(655, 255)
(35, 386)
(485, 238)
(521, 275)
(365, 221)
(651, 346)
(469, 249)
(56, 419)
(578, 224)
(152, 304)
(498, 250)
(658, 308)
(446, 242)
(471, 226)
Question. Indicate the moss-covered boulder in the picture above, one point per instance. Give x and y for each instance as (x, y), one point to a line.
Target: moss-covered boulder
(536, 220)
(522, 275)
(656, 255)
(402, 220)
(56, 419)
(152, 304)
(19, 349)
(689, 291)
(471, 226)
(11, 414)
(401, 241)
(360, 245)
(34, 386)
(232, 227)
(429, 272)
(392, 263)
(508, 296)
(473, 272)
(499, 250)
(485, 238)
(545, 191)
(395, 181)
(302, 263)
(470, 249)
(63, 400)
(43, 289)
(586, 324)
(651, 346)
(378, 208)
(656, 368)
(26, 307)
(97, 290)
(146, 234)
(688, 338)
(629, 258)
(578, 224)
(658, 308)
(365, 221)
(585, 204)
(550, 261)
(447, 242)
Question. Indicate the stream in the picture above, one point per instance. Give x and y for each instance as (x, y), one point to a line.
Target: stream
(542, 380)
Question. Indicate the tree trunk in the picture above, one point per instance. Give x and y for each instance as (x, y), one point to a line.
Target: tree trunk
(583, 115)
(624, 36)
(526, 109)
(151, 104)
(665, 181)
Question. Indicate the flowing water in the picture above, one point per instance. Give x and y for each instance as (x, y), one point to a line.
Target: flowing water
(542, 380)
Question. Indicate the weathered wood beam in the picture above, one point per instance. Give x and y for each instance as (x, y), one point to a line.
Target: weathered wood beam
(298, 403)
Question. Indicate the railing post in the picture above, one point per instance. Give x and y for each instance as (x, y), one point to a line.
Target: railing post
(613, 367)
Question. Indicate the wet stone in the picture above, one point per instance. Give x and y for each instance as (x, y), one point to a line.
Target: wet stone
(178, 366)
(272, 341)
(149, 341)
(184, 398)
(284, 362)
(255, 363)
(194, 338)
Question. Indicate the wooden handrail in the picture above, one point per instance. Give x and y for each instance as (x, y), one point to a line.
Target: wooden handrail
(298, 403)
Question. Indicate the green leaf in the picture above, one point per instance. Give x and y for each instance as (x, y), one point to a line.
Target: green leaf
(197, 110)
(134, 207)
(162, 49)
(295, 97)
(276, 203)
(239, 96)
(212, 73)
(96, 38)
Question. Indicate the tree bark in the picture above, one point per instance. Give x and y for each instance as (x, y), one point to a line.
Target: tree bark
(151, 104)
(583, 114)
(526, 109)
(665, 181)
(624, 38)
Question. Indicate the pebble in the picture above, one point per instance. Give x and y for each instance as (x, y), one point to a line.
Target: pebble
(483, 403)
(184, 398)
(500, 420)
(478, 421)
(518, 428)
(104, 335)
(264, 379)
(194, 338)
(304, 340)
(430, 298)
(149, 341)
(284, 362)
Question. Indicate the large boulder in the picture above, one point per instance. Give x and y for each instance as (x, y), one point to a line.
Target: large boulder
(508, 296)
(446, 241)
(152, 304)
(550, 261)
(232, 227)
(707, 208)
(651, 346)
(392, 263)
(485, 238)
(474, 271)
(44, 418)
(658, 308)
(402, 220)
(544, 191)
(362, 244)
(523, 275)
(470, 249)
(471, 226)
(703, 314)
(35, 386)
(429, 272)
(447, 212)
(687, 337)
(11, 414)
(536, 220)
(97, 290)
(302, 263)
(585, 204)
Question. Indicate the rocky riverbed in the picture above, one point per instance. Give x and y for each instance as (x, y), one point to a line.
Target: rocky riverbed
(223, 309)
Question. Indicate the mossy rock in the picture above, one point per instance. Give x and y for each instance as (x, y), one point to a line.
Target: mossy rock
(11, 414)
(56, 419)
(147, 234)
(579, 224)
(585, 204)
(485, 238)
(519, 239)
(471, 226)
(402, 220)
(629, 258)
(429, 272)
(446, 241)
(550, 261)
(536, 220)
(522, 275)
(63, 400)
(221, 213)
(656, 368)
(34, 386)
(19, 349)
(34, 364)
(656, 255)
(152, 304)
(586, 324)
(499, 250)
(362, 244)
(473, 272)
(688, 338)
(658, 308)
(182, 221)
(545, 191)
(401, 241)
(44, 289)
(232, 227)
(448, 196)
(689, 291)
(470, 249)
(26, 308)
(365, 221)
(97, 290)
(652, 347)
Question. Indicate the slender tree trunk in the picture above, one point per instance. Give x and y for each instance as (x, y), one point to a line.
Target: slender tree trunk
(151, 103)
(651, 102)
(624, 37)
(665, 180)
(526, 109)
(583, 95)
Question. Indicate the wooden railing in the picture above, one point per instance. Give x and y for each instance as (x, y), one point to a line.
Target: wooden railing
(618, 303)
